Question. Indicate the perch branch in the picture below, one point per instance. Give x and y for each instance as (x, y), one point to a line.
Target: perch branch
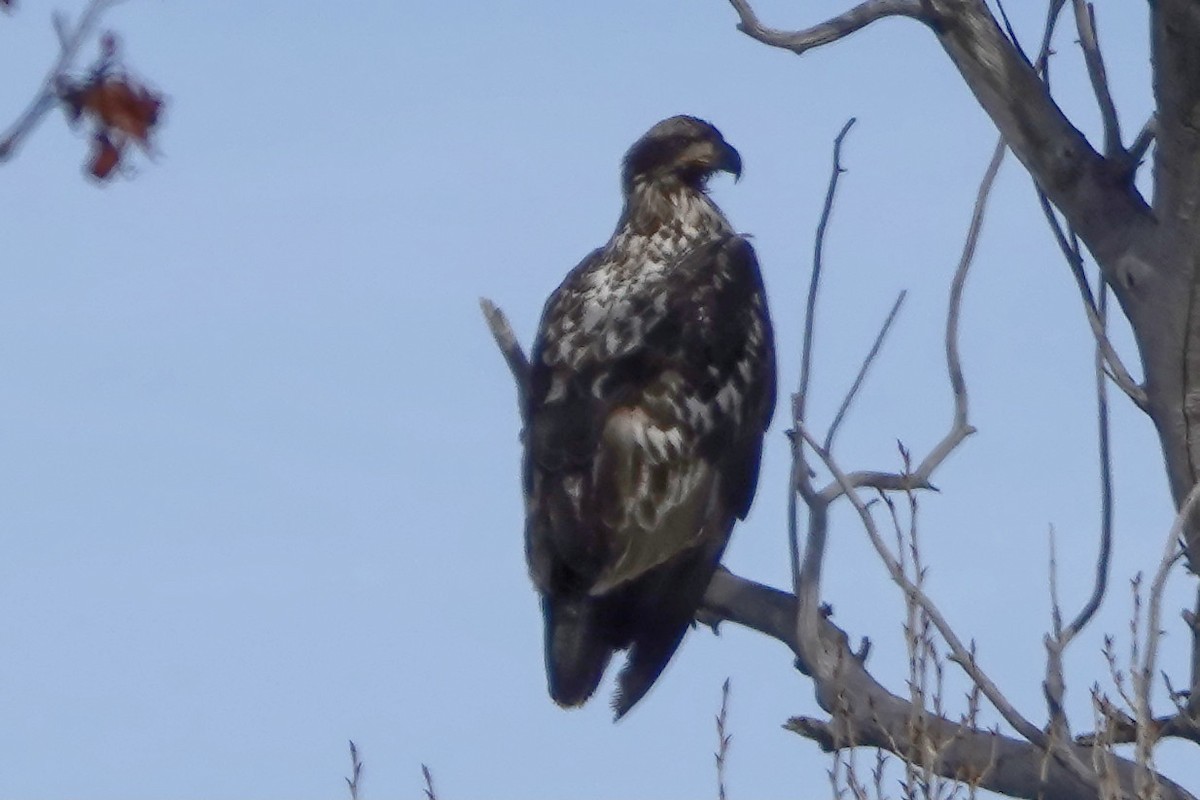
(871, 716)
(958, 652)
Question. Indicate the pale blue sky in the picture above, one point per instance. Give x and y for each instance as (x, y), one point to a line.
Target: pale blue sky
(258, 456)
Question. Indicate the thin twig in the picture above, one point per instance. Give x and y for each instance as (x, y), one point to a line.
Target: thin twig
(1057, 643)
(1073, 254)
(1055, 606)
(992, 759)
(814, 283)
(1119, 374)
(862, 370)
(808, 584)
(1085, 23)
(71, 41)
(356, 770)
(799, 481)
(1054, 686)
(1122, 729)
(430, 793)
(1104, 556)
(723, 740)
(510, 348)
(1011, 32)
(1172, 553)
(959, 653)
(1141, 142)
(1192, 619)
(960, 428)
(1052, 13)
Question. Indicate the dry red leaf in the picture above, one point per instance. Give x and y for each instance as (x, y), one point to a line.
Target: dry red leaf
(105, 156)
(120, 105)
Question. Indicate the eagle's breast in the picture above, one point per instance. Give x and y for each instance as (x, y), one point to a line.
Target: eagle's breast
(602, 315)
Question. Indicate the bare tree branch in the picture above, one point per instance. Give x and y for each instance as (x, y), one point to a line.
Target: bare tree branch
(724, 737)
(1099, 204)
(1125, 731)
(354, 781)
(806, 573)
(1085, 23)
(960, 428)
(1054, 685)
(1056, 644)
(874, 717)
(1104, 553)
(1141, 142)
(1053, 10)
(1117, 370)
(807, 582)
(814, 283)
(510, 348)
(862, 371)
(71, 41)
(829, 31)
(1192, 619)
(958, 652)
(1143, 682)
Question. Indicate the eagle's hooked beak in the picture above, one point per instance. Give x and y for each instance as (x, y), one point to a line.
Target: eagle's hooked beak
(729, 160)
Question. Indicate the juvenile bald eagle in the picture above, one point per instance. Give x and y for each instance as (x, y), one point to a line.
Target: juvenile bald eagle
(653, 379)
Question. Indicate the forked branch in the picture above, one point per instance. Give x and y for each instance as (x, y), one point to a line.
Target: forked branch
(1103, 207)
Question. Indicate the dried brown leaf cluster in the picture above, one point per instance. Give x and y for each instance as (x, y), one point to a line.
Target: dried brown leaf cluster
(121, 110)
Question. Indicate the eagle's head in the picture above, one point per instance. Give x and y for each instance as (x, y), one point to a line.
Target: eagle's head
(679, 151)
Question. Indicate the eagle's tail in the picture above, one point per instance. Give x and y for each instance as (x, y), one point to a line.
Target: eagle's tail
(577, 650)
(648, 657)
(661, 609)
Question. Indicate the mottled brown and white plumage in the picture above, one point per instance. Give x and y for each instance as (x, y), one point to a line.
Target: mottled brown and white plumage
(652, 383)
